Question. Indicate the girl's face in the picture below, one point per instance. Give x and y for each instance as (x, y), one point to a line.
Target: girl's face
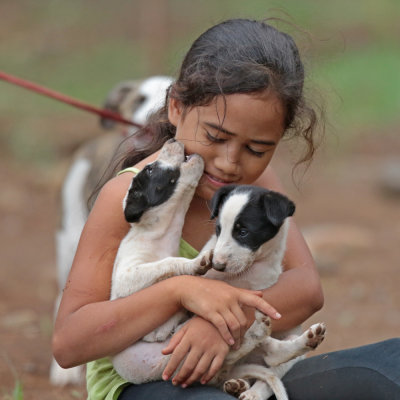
(236, 140)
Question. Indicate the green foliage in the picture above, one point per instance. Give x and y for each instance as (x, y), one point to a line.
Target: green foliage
(18, 393)
(83, 48)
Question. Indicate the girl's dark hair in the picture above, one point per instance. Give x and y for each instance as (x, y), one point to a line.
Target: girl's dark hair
(237, 56)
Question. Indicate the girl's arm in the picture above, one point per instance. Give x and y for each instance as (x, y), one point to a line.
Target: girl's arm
(298, 293)
(90, 326)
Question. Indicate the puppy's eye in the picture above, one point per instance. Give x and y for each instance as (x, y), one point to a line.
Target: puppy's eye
(172, 181)
(243, 232)
(149, 170)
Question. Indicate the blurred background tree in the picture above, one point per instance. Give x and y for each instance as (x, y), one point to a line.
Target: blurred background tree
(352, 52)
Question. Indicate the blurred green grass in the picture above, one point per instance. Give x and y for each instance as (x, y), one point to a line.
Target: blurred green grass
(82, 49)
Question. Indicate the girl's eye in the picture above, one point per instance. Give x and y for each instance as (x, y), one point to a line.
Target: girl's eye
(214, 138)
(256, 153)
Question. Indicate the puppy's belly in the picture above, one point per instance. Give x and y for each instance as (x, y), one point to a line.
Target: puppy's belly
(142, 362)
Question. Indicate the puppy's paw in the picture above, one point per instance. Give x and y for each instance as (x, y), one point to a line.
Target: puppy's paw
(192, 170)
(315, 335)
(261, 326)
(250, 395)
(236, 387)
(205, 262)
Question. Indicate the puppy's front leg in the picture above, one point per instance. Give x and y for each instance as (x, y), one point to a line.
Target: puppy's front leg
(131, 279)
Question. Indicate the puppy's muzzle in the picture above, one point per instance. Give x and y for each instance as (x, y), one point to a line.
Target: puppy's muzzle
(219, 266)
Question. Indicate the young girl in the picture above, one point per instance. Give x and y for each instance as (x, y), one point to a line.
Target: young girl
(239, 91)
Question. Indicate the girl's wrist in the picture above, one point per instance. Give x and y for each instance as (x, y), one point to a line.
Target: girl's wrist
(176, 285)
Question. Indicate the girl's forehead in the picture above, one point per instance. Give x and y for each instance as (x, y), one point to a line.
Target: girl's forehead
(244, 112)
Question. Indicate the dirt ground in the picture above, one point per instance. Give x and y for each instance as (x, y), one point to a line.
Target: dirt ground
(341, 205)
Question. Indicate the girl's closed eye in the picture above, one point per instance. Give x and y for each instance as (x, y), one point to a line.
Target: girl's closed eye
(216, 139)
(213, 138)
(255, 152)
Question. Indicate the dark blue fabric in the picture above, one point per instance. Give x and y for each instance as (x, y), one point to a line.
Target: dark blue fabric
(166, 391)
(369, 372)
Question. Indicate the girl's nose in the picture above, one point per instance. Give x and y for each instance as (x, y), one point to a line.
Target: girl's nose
(228, 159)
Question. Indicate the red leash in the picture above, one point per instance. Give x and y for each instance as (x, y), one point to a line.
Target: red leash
(65, 99)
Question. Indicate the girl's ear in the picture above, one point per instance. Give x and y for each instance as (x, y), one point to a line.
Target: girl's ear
(175, 111)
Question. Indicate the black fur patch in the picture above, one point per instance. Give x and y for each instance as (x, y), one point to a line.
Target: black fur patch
(260, 219)
(151, 187)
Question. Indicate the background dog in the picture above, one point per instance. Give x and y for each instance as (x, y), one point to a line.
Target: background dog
(134, 100)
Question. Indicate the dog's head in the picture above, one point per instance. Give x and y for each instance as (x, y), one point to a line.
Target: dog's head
(135, 101)
(248, 218)
(157, 182)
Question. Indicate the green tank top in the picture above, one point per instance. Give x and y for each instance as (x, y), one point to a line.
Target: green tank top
(102, 381)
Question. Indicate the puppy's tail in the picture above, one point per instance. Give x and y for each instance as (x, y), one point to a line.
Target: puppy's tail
(267, 375)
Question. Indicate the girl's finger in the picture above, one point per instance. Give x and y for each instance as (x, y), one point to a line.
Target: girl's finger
(175, 340)
(260, 304)
(214, 368)
(241, 317)
(187, 368)
(219, 322)
(202, 367)
(177, 357)
(233, 324)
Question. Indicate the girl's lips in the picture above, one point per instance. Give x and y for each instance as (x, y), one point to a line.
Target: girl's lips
(216, 181)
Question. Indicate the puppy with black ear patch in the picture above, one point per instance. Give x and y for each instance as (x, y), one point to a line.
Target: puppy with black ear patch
(155, 206)
(249, 246)
(255, 224)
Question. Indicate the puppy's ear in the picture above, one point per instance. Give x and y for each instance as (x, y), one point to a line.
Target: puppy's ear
(219, 199)
(278, 208)
(115, 99)
(135, 203)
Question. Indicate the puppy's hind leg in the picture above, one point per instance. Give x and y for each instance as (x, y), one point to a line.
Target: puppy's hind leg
(267, 382)
(280, 351)
(260, 328)
(142, 362)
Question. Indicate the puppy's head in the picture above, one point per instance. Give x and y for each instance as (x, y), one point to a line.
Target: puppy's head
(151, 187)
(135, 101)
(248, 218)
(158, 181)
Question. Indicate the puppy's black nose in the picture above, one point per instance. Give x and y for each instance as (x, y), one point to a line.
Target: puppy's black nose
(219, 266)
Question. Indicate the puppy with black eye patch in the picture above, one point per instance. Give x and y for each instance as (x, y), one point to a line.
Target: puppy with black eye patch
(249, 245)
(155, 206)
(252, 224)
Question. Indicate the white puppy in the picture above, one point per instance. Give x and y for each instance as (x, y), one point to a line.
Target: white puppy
(156, 205)
(249, 246)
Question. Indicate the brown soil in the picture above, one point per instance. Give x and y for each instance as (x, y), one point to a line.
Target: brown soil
(359, 271)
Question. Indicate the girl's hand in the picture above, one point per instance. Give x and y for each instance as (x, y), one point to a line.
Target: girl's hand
(221, 304)
(200, 348)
